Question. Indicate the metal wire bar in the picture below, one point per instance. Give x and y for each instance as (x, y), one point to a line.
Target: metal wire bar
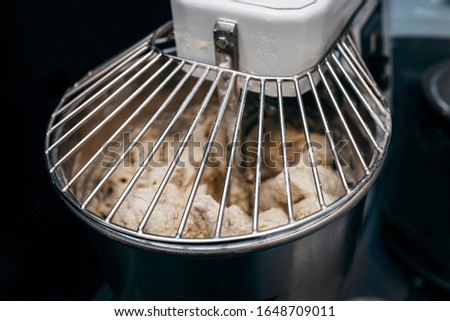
(287, 179)
(119, 130)
(109, 117)
(169, 51)
(96, 109)
(363, 81)
(342, 119)
(103, 90)
(163, 32)
(257, 189)
(360, 95)
(329, 135)
(98, 72)
(309, 145)
(199, 175)
(236, 133)
(363, 66)
(356, 58)
(164, 40)
(352, 105)
(178, 154)
(136, 139)
(160, 139)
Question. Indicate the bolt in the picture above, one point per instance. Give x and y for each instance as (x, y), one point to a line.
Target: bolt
(222, 42)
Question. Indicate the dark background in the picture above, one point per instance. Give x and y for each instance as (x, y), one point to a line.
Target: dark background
(49, 45)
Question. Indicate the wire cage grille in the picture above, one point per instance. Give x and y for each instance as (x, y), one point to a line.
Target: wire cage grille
(99, 152)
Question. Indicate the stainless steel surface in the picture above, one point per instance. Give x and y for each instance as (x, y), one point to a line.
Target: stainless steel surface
(287, 179)
(226, 45)
(236, 134)
(259, 156)
(312, 268)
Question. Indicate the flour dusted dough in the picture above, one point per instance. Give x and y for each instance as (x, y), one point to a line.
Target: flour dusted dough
(202, 219)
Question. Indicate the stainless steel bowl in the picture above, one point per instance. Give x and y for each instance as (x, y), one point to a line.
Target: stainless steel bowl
(308, 265)
(305, 259)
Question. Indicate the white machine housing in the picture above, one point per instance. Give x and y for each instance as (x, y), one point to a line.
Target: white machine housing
(276, 37)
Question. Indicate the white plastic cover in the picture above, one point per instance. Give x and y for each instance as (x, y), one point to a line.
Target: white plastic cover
(276, 37)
